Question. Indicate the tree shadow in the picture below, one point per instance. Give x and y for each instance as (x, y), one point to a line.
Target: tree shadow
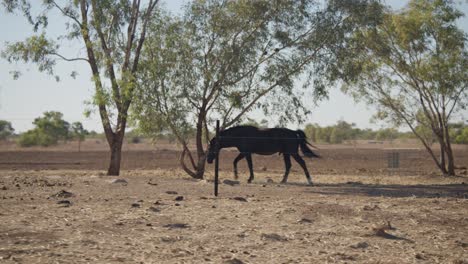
(392, 190)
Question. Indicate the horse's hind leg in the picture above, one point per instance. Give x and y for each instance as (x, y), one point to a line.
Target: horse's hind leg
(304, 167)
(248, 157)
(287, 164)
(237, 159)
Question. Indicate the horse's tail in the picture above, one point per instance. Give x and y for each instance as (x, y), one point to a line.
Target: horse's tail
(303, 144)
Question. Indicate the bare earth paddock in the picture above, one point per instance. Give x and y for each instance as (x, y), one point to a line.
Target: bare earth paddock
(58, 207)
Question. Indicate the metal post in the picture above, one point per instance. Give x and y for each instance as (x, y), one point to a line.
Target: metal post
(216, 159)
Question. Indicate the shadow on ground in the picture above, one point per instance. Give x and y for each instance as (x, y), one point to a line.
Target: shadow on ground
(393, 190)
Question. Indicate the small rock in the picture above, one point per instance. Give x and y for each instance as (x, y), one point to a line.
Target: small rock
(273, 237)
(263, 168)
(179, 198)
(177, 204)
(360, 245)
(305, 220)
(370, 208)
(136, 205)
(241, 199)
(62, 194)
(154, 209)
(462, 243)
(176, 225)
(121, 181)
(234, 261)
(231, 183)
(171, 192)
(419, 256)
(4, 188)
(269, 180)
(65, 203)
(152, 183)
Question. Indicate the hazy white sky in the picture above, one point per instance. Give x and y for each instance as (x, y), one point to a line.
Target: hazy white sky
(33, 93)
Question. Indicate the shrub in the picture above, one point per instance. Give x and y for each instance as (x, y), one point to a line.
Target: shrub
(36, 138)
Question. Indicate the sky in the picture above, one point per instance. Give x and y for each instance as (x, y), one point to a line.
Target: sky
(22, 100)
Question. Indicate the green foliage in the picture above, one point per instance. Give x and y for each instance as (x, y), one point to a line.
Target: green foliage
(459, 133)
(34, 49)
(387, 134)
(112, 34)
(78, 131)
(36, 137)
(222, 59)
(409, 65)
(48, 130)
(343, 131)
(412, 66)
(6, 130)
(252, 122)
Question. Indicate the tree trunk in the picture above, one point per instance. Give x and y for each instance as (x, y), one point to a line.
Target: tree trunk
(451, 162)
(196, 173)
(116, 155)
(449, 152)
(201, 156)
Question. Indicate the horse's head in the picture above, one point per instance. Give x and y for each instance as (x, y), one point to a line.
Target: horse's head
(211, 150)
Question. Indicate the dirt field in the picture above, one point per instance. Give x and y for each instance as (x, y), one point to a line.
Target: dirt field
(57, 206)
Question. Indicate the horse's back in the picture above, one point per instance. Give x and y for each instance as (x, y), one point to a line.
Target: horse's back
(265, 141)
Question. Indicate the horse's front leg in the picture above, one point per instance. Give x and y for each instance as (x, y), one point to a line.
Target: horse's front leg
(236, 160)
(248, 156)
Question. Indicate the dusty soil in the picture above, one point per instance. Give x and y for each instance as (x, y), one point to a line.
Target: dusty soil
(161, 216)
(58, 207)
(335, 160)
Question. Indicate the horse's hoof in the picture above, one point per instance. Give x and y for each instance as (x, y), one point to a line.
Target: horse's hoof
(284, 182)
(311, 184)
(249, 181)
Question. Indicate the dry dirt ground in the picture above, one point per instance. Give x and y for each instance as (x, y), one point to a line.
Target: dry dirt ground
(55, 211)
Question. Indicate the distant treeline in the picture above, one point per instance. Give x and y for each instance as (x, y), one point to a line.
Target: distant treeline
(344, 131)
(51, 128)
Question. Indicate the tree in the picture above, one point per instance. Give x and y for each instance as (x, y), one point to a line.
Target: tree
(387, 134)
(112, 32)
(79, 133)
(6, 130)
(52, 123)
(462, 137)
(412, 66)
(48, 130)
(222, 59)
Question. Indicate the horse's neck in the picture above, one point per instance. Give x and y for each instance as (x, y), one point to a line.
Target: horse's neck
(226, 144)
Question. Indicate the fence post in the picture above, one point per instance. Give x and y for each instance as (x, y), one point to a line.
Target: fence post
(216, 159)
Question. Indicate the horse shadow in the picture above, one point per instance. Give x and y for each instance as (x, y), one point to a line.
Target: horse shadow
(390, 190)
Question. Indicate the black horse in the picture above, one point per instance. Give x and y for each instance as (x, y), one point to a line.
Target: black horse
(249, 139)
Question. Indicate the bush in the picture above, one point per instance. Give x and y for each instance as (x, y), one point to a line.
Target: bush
(36, 138)
(462, 138)
(6, 130)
